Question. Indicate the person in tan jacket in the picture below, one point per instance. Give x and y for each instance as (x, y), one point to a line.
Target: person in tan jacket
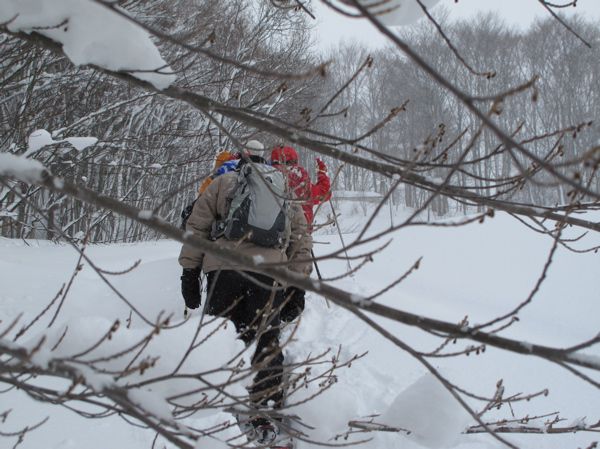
(255, 303)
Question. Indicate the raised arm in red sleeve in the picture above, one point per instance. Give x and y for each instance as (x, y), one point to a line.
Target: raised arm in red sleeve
(321, 190)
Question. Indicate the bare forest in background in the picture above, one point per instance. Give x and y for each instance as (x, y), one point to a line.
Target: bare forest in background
(426, 124)
(152, 151)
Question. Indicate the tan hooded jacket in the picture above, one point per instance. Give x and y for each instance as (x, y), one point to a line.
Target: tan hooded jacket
(212, 205)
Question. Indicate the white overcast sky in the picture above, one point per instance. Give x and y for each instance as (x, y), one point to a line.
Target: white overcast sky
(333, 27)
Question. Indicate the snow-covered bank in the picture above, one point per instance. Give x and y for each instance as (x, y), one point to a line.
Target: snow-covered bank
(481, 270)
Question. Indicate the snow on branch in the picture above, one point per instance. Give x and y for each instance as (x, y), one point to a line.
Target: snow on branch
(90, 34)
(41, 138)
(26, 170)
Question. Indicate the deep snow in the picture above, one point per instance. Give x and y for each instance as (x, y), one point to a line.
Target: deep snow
(480, 270)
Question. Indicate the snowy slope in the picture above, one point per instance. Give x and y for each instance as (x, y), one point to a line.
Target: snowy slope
(481, 270)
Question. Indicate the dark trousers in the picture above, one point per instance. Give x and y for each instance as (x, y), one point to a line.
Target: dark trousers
(254, 310)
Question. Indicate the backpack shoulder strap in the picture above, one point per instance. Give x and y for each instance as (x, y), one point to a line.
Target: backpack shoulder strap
(234, 199)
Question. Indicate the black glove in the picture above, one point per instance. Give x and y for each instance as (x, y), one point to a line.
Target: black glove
(294, 305)
(190, 287)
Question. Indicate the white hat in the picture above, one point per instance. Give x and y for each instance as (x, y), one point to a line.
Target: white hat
(254, 146)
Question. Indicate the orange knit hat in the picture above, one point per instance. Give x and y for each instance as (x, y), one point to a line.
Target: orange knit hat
(222, 157)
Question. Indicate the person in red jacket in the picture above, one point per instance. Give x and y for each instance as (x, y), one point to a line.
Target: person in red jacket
(286, 159)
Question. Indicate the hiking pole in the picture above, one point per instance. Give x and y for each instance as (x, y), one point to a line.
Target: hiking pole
(312, 253)
(337, 225)
(205, 300)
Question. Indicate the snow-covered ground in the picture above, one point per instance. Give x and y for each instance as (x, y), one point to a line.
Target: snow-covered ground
(479, 271)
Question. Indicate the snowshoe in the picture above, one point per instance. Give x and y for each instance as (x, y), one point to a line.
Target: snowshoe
(286, 443)
(246, 427)
(270, 435)
(266, 431)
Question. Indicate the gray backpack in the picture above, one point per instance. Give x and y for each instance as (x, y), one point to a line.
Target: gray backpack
(258, 209)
